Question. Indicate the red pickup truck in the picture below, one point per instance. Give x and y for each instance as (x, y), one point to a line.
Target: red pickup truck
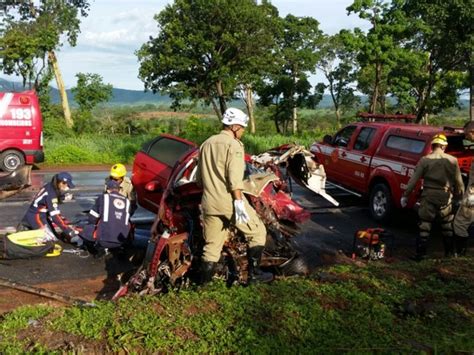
(376, 159)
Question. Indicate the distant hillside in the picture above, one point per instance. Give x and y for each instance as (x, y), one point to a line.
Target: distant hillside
(119, 96)
(138, 97)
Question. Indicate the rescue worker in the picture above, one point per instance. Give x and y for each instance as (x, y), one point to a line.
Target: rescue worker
(44, 210)
(118, 173)
(441, 178)
(220, 172)
(109, 220)
(465, 214)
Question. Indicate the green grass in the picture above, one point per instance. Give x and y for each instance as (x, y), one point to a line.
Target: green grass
(384, 308)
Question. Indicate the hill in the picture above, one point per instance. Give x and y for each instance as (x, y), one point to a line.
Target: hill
(139, 97)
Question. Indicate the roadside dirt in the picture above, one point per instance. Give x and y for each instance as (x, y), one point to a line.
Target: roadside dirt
(167, 114)
(86, 289)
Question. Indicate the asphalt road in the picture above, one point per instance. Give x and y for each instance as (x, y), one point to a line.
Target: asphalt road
(326, 238)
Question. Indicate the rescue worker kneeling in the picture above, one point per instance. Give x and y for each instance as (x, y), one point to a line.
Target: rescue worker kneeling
(44, 212)
(109, 221)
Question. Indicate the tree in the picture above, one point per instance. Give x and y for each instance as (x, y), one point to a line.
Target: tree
(90, 91)
(376, 50)
(443, 30)
(287, 86)
(34, 30)
(206, 49)
(338, 66)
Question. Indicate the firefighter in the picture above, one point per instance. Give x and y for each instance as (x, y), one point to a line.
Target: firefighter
(465, 214)
(44, 210)
(220, 172)
(109, 220)
(118, 173)
(441, 178)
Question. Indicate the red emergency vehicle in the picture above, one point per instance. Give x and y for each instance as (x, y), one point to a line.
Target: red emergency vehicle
(21, 130)
(376, 159)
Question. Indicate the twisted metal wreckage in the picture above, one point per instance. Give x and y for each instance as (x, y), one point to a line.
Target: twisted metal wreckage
(176, 242)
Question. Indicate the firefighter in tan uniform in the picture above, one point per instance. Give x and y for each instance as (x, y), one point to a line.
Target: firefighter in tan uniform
(441, 178)
(220, 172)
(465, 215)
(118, 173)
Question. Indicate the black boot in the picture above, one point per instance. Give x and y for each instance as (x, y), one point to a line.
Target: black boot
(448, 243)
(255, 274)
(461, 246)
(206, 270)
(420, 249)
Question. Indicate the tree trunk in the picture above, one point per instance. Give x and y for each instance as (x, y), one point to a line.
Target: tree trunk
(471, 92)
(220, 96)
(249, 104)
(62, 90)
(295, 119)
(216, 110)
(375, 93)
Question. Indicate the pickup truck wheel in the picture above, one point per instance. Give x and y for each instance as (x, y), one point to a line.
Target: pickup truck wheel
(10, 160)
(380, 203)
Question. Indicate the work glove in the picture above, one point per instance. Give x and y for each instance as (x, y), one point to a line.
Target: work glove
(404, 202)
(240, 214)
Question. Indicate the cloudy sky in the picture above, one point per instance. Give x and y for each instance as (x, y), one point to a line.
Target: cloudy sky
(114, 29)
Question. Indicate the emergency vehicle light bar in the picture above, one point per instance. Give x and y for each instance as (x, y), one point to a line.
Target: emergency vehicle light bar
(383, 117)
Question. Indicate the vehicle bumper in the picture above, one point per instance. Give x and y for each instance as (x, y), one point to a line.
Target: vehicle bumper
(34, 156)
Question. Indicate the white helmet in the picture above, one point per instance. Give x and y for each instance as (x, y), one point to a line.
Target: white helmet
(235, 116)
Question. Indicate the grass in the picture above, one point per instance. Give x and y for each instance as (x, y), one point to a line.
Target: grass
(384, 308)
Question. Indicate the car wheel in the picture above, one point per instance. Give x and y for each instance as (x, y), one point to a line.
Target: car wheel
(380, 203)
(10, 160)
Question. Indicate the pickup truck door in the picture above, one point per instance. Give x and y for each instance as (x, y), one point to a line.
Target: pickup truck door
(357, 158)
(332, 156)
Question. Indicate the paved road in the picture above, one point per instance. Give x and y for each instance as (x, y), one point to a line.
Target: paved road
(329, 231)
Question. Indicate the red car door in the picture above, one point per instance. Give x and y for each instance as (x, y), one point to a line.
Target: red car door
(154, 163)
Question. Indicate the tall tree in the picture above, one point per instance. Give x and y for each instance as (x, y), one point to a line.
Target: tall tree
(375, 50)
(205, 49)
(339, 68)
(34, 30)
(444, 30)
(288, 86)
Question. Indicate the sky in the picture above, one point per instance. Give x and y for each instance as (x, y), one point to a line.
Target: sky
(115, 29)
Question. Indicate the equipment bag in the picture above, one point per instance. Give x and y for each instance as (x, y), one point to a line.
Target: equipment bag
(27, 244)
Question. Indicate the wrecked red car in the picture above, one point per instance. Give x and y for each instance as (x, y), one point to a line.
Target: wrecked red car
(176, 242)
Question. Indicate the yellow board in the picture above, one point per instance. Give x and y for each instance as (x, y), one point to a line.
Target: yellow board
(30, 238)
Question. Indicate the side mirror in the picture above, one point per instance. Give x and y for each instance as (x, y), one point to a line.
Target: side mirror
(327, 139)
(154, 186)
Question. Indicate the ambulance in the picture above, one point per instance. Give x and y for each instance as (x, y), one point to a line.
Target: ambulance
(21, 130)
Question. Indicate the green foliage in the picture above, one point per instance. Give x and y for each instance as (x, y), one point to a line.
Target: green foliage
(20, 319)
(383, 308)
(205, 49)
(92, 149)
(32, 30)
(287, 85)
(90, 91)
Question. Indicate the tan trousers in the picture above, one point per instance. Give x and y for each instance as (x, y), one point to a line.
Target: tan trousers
(216, 231)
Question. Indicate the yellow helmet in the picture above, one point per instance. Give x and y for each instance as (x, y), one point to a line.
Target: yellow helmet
(118, 171)
(440, 139)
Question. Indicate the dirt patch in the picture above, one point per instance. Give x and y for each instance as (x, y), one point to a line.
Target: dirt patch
(149, 115)
(87, 290)
(206, 308)
(39, 333)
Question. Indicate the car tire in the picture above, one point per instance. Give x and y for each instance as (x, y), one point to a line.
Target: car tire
(10, 160)
(381, 203)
